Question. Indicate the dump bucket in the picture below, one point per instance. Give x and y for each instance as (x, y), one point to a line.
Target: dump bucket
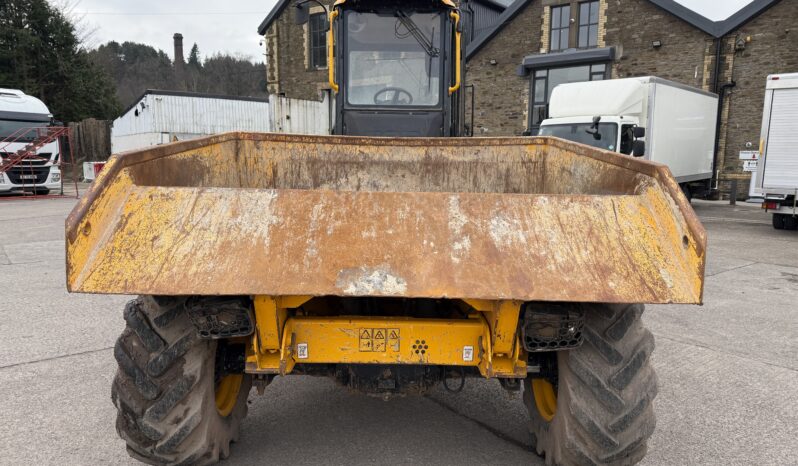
(530, 219)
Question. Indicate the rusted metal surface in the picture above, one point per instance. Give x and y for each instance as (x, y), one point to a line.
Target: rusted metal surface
(263, 214)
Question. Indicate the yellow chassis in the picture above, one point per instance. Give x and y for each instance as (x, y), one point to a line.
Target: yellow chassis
(487, 339)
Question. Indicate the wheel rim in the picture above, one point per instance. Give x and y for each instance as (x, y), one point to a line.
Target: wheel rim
(545, 398)
(227, 393)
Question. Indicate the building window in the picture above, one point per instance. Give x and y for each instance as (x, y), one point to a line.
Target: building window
(560, 27)
(588, 24)
(544, 81)
(317, 41)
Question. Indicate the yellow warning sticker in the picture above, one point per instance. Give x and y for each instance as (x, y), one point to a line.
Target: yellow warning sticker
(378, 340)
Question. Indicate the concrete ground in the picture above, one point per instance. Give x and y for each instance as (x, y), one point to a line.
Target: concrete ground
(727, 370)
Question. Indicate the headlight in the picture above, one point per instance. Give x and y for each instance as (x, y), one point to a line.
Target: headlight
(2, 178)
(56, 177)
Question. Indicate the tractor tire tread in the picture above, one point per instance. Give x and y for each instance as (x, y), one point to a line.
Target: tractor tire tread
(604, 413)
(164, 391)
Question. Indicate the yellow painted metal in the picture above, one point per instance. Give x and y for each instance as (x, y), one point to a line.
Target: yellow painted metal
(270, 316)
(227, 393)
(383, 340)
(269, 214)
(458, 53)
(331, 51)
(502, 318)
(545, 398)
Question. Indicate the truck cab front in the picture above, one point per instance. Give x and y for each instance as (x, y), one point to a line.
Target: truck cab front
(609, 132)
(395, 67)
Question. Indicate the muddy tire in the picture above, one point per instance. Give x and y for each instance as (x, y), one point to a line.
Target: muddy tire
(165, 388)
(604, 393)
(778, 221)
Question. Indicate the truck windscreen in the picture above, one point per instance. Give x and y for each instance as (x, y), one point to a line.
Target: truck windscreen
(606, 137)
(393, 60)
(20, 131)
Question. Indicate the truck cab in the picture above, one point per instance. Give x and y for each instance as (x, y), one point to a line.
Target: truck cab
(23, 120)
(396, 68)
(616, 133)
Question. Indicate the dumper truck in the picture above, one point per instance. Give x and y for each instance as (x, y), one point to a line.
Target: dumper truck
(387, 262)
(649, 117)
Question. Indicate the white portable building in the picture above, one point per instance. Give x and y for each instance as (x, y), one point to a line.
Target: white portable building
(158, 117)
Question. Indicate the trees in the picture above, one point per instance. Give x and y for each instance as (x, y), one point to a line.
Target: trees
(137, 67)
(41, 54)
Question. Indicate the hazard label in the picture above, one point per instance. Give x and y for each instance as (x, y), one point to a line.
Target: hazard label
(378, 340)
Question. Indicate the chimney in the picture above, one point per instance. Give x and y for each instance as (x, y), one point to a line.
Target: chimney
(179, 49)
(179, 62)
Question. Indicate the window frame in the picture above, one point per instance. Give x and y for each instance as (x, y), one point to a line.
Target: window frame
(321, 37)
(585, 23)
(559, 27)
(445, 27)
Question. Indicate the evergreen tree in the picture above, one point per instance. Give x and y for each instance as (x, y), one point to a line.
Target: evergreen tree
(194, 57)
(41, 54)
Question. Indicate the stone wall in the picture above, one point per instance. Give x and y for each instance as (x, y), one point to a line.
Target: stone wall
(633, 26)
(501, 96)
(287, 62)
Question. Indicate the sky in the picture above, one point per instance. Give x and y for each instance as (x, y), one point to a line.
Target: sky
(229, 26)
(715, 10)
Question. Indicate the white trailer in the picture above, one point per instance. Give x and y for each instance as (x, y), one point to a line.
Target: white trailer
(777, 171)
(657, 119)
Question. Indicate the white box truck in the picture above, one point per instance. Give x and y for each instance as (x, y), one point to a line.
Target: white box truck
(648, 117)
(21, 118)
(777, 171)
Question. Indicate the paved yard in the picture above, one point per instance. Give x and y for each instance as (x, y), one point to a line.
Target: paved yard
(727, 370)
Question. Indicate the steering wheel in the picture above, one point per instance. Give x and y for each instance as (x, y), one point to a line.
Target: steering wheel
(397, 92)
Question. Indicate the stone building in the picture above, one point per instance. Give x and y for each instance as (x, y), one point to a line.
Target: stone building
(519, 50)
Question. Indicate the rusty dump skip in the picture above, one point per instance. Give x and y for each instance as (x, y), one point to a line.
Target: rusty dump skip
(506, 218)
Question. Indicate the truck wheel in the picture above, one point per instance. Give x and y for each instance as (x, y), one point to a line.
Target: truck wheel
(778, 221)
(790, 222)
(174, 402)
(594, 406)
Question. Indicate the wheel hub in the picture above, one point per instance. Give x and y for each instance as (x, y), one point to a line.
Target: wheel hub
(545, 398)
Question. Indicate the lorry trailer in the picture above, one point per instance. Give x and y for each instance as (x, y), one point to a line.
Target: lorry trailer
(777, 171)
(659, 120)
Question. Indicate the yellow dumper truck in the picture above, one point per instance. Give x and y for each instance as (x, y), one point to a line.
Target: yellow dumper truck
(388, 263)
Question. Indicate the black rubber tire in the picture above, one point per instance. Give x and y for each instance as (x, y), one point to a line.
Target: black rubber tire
(790, 222)
(164, 389)
(688, 191)
(778, 221)
(604, 395)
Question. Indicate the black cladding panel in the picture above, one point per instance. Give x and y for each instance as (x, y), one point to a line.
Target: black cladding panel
(393, 124)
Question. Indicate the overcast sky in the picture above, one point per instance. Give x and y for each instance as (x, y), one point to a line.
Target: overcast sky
(229, 26)
(716, 10)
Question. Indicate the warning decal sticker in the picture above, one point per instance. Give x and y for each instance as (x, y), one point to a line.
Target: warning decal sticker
(378, 340)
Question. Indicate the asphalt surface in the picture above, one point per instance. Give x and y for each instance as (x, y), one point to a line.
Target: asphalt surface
(727, 370)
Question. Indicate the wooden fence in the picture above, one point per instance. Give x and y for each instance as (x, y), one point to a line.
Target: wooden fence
(92, 140)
